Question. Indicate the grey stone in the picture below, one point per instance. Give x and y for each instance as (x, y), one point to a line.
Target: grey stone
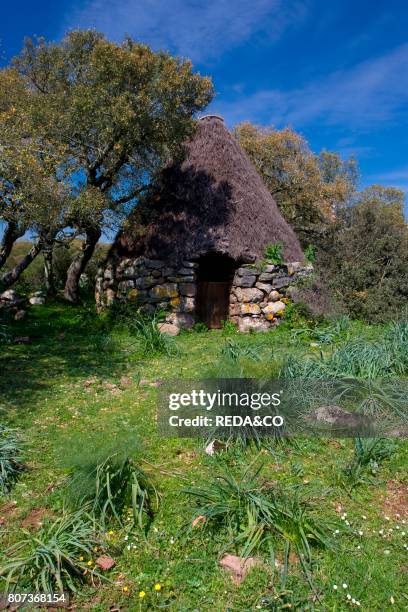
(188, 289)
(181, 319)
(185, 271)
(180, 279)
(145, 282)
(168, 271)
(281, 281)
(245, 271)
(190, 264)
(186, 304)
(248, 294)
(10, 296)
(265, 277)
(246, 324)
(156, 273)
(270, 268)
(37, 301)
(20, 315)
(263, 287)
(244, 281)
(130, 271)
(154, 263)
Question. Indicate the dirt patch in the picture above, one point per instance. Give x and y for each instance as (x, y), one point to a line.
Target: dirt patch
(395, 500)
(35, 518)
(8, 511)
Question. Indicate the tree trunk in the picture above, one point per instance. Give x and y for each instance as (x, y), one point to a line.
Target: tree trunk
(78, 264)
(11, 233)
(10, 277)
(48, 271)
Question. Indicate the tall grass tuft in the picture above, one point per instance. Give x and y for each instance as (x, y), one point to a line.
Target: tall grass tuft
(255, 516)
(11, 460)
(113, 486)
(55, 558)
(147, 329)
(368, 454)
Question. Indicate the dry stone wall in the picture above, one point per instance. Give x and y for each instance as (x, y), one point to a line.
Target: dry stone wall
(258, 298)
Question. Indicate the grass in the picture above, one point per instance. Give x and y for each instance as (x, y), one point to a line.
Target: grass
(64, 392)
(11, 460)
(55, 558)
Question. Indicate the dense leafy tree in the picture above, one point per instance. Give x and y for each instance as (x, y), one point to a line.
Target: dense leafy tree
(116, 114)
(367, 260)
(308, 189)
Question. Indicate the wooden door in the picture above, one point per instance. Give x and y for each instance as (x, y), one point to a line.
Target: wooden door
(213, 302)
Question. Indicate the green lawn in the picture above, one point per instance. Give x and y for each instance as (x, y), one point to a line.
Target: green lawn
(66, 391)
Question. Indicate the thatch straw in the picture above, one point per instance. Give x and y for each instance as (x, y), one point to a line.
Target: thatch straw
(213, 202)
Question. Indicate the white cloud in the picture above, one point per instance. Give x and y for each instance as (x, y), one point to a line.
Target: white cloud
(193, 28)
(373, 91)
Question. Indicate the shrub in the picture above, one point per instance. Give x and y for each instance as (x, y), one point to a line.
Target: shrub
(55, 558)
(256, 515)
(113, 486)
(274, 253)
(147, 329)
(11, 463)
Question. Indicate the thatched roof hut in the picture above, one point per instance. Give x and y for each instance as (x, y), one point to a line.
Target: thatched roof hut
(196, 254)
(214, 201)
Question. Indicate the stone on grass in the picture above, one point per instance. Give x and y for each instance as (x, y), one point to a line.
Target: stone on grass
(169, 329)
(238, 567)
(214, 447)
(20, 315)
(104, 562)
(246, 324)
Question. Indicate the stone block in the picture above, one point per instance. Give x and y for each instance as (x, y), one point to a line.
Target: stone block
(274, 296)
(270, 268)
(248, 294)
(234, 310)
(281, 281)
(250, 309)
(145, 282)
(186, 272)
(181, 319)
(190, 264)
(244, 281)
(274, 308)
(169, 329)
(154, 263)
(263, 287)
(265, 277)
(166, 290)
(183, 304)
(188, 289)
(246, 271)
(293, 267)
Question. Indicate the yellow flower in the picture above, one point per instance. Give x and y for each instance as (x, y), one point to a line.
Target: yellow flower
(125, 589)
(81, 558)
(110, 532)
(142, 594)
(89, 563)
(116, 146)
(157, 587)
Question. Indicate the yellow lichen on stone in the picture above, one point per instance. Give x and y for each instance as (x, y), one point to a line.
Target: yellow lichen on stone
(175, 301)
(269, 316)
(132, 295)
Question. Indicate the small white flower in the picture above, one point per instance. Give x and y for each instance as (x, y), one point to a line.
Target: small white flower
(353, 601)
(337, 531)
(335, 587)
(347, 523)
(364, 517)
(360, 533)
(128, 546)
(397, 527)
(381, 531)
(358, 547)
(387, 552)
(387, 518)
(392, 600)
(358, 603)
(126, 537)
(348, 596)
(344, 585)
(402, 533)
(172, 540)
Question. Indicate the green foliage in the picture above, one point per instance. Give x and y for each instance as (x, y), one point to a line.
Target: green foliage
(112, 487)
(335, 331)
(228, 328)
(255, 516)
(49, 560)
(11, 460)
(310, 253)
(365, 262)
(234, 351)
(274, 253)
(200, 327)
(368, 454)
(147, 329)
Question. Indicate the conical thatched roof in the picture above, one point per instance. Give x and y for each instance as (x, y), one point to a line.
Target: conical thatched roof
(213, 202)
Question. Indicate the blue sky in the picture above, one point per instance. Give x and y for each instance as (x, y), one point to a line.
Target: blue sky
(335, 71)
